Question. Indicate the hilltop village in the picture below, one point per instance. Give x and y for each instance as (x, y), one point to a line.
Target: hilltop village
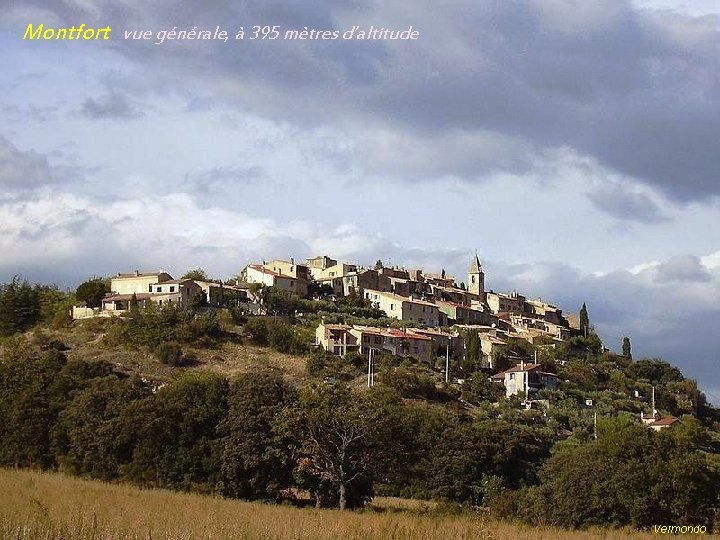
(327, 383)
(420, 315)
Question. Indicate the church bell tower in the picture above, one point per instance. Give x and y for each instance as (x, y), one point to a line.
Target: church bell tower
(476, 278)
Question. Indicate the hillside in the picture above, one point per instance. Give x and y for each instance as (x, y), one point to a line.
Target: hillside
(209, 402)
(54, 507)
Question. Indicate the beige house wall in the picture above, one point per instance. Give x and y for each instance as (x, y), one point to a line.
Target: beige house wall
(136, 284)
(404, 309)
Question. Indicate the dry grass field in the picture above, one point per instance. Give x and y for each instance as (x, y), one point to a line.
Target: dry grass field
(53, 507)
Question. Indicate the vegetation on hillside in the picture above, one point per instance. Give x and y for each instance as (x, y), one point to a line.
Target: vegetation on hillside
(258, 436)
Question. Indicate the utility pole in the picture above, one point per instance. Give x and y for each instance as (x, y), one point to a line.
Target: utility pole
(369, 373)
(447, 363)
(654, 412)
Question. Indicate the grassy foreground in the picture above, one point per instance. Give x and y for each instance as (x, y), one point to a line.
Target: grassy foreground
(53, 507)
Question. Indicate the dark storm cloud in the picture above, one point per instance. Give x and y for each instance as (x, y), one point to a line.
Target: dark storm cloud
(636, 90)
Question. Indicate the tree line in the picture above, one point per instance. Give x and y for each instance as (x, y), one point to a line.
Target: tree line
(257, 437)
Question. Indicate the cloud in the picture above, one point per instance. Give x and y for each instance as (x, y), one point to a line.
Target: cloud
(634, 89)
(222, 178)
(626, 204)
(114, 106)
(20, 170)
(683, 269)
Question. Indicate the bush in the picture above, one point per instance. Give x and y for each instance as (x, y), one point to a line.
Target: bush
(169, 353)
(316, 361)
(277, 334)
(410, 381)
(257, 330)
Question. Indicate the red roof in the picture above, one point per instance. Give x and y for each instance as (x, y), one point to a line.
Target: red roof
(667, 421)
(264, 270)
(126, 297)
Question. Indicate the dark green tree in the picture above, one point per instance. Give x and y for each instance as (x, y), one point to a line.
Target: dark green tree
(584, 320)
(177, 442)
(478, 389)
(92, 292)
(626, 348)
(473, 351)
(93, 435)
(256, 462)
(333, 427)
(629, 476)
(20, 306)
(379, 264)
(197, 274)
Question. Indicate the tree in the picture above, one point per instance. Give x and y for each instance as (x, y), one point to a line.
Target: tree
(584, 320)
(333, 427)
(473, 354)
(626, 349)
(92, 292)
(630, 475)
(256, 462)
(134, 307)
(198, 299)
(197, 274)
(177, 442)
(93, 435)
(478, 388)
(379, 265)
(19, 306)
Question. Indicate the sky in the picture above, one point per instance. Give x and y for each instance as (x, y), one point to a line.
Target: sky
(575, 145)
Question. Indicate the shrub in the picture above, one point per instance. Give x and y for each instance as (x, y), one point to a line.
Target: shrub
(256, 327)
(169, 353)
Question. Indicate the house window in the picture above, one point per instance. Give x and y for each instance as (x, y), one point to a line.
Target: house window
(392, 306)
(292, 283)
(172, 288)
(409, 307)
(512, 376)
(159, 289)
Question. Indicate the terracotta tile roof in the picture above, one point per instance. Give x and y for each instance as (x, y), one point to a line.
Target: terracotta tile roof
(337, 327)
(429, 331)
(390, 332)
(264, 270)
(126, 297)
(667, 421)
(400, 298)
